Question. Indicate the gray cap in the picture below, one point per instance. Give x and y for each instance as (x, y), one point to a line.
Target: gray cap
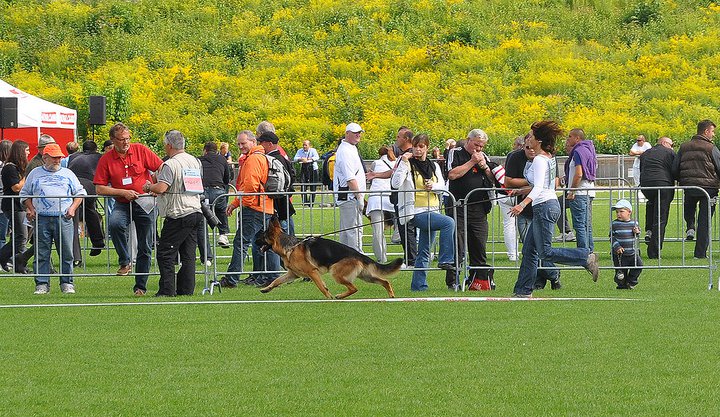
(45, 140)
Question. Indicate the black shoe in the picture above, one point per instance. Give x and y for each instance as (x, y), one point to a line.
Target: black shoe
(446, 266)
(555, 285)
(20, 269)
(248, 281)
(77, 263)
(95, 251)
(224, 283)
(263, 282)
(5, 266)
(163, 295)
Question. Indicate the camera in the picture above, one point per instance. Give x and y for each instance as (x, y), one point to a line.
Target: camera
(208, 212)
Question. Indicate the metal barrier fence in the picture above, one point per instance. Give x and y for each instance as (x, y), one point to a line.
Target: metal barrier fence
(321, 217)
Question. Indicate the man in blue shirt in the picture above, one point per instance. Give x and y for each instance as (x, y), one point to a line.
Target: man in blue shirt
(59, 192)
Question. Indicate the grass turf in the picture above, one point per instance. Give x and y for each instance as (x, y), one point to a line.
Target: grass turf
(647, 357)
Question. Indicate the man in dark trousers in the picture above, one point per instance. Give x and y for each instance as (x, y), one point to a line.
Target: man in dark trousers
(469, 169)
(83, 164)
(697, 163)
(283, 205)
(216, 179)
(656, 171)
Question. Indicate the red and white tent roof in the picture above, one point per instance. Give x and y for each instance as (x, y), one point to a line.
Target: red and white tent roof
(36, 112)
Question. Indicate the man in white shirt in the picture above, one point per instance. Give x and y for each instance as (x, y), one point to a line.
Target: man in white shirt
(350, 177)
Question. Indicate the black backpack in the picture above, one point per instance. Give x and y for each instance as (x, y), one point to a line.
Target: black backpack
(327, 166)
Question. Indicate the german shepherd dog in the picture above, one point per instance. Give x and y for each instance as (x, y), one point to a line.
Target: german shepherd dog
(314, 256)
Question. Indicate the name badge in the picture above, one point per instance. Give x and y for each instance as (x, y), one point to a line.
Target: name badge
(192, 181)
(126, 181)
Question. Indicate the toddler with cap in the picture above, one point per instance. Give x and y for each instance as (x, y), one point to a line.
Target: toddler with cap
(624, 232)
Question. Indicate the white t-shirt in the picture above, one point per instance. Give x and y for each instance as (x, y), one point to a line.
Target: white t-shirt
(348, 166)
(590, 185)
(636, 148)
(380, 201)
(541, 173)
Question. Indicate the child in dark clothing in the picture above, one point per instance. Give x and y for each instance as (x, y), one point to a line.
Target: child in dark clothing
(623, 237)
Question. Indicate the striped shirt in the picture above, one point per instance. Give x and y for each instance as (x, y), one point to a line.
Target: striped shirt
(622, 235)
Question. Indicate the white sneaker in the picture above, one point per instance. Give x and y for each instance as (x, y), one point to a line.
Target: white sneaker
(223, 241)
(42, 289)
(67, 288)
(208, 263)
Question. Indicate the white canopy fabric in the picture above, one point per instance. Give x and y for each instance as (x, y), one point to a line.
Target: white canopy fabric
(36, 112)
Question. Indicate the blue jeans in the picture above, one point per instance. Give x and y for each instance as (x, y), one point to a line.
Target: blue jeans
(581, 212)
(427, 223)
(213, 195)
(538, 246)
(119, 224)
(56, 229)
(3, 228)
(253, 224)
(543, 275)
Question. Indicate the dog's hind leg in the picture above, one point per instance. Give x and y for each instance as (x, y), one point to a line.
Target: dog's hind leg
(376, 280)
(317, 279)
(282, 279)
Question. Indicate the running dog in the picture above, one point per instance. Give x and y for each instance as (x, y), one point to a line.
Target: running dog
(314, 256)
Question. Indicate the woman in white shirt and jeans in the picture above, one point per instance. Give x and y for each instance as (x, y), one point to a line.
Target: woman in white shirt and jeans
(541, 175)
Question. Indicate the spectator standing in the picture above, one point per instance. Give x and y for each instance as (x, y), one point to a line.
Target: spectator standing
(580, 169)
(638, 148)
(419, 173)
(216, 177)
(121, 173)
(406, 231)
(469, 168)
(84, 166)
(178, 188)
(72, 152)
(225, 152)
(53, 216)
(697, 163)
(37, 160)
(626, 256)
(379, 208)
(5, 147)
(307, 157)
(13, 178)
(505, 203)
(283, 205)
(537, 246)
(656, 171)
(255, 215)
(350, 176)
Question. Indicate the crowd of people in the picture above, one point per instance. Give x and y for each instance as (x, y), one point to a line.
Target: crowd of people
(414, 190)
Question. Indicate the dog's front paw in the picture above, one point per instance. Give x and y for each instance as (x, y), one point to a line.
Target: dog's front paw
(266, 289)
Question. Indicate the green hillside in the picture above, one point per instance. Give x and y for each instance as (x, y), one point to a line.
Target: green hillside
(617, 68)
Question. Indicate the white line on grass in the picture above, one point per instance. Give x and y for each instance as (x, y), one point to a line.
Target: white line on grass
(355, 300)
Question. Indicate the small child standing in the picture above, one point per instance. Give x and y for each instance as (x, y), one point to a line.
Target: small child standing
(623, 237)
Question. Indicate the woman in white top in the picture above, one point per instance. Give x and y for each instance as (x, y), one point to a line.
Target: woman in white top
(541, 173)
(379, 208)
(419, 181)
(638, 148)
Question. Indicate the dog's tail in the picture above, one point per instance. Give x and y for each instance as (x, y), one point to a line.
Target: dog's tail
(389, 268)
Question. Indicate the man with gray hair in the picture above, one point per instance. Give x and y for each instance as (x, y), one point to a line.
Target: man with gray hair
(178, 187)
(37, 160)
(469, 168)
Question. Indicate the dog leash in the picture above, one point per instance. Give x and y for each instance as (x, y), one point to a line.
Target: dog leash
(398, 217)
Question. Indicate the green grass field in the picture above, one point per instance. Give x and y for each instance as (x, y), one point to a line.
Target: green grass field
(653, 355)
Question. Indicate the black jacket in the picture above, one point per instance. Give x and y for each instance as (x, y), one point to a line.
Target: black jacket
(656, 167)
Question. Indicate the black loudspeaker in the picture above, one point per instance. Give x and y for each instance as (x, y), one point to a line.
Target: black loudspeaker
(8, 112)
(97, 110)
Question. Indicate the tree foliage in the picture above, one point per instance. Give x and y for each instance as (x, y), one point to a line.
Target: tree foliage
(616, 68)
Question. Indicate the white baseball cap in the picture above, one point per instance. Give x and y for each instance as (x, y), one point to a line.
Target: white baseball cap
(354, 127)
(622, 204)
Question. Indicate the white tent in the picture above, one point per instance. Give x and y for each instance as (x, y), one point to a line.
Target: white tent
(36, 116)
